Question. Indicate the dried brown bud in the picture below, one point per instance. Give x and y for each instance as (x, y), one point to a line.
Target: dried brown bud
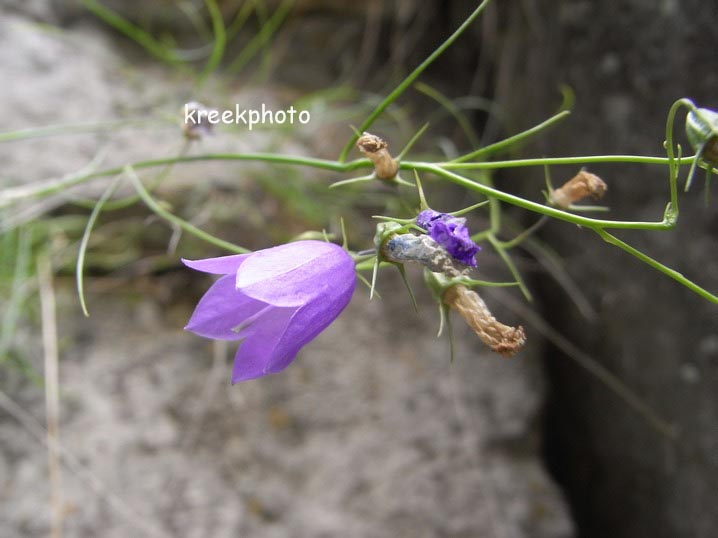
(577, 188)
(504, 340)
(376, 149)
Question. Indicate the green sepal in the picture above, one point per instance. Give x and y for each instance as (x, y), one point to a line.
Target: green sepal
(402, 272)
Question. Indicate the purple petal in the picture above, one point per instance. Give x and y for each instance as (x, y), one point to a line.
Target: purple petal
(221, 310)
(295, 273)
(257, 351)
(455, 238)
(310, 320)
(223, 265)
(426, 217)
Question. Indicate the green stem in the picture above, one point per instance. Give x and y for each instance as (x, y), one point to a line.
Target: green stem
(672, 212)
(404, 84)
(535, 207)
(219, 42)
(262, 38)
(511, 266)
(548, 161)
(13, 194)
(80, 265)
(672, 273)
(498, 146)
(137, 34)
(52, 130)
(173, 219)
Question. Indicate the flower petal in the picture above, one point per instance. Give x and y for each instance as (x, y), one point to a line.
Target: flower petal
(295, 273)
(454, 237)
(257, 352)
(310, 320)
(221, 310)
(224, 265)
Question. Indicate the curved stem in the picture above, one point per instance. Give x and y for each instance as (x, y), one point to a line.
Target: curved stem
(672, 273)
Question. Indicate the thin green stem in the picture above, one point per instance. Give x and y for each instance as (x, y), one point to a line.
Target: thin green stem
(53, 130)
(672, 273)
(585, 159)
(404, 84)
(672, 166)
(137, 34)
(219, 43)
(503, 144)
(535, 207)
(122, 203)
(80, 265)
(412, 141)
(13, 194)
(511, 266)
(520, 238)
(181, 223)
(454, 111)
(241, 17)
(262, 38)
(13, 304)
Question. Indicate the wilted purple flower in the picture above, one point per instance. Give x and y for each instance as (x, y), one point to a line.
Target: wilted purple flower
(451, 233)
(274, 300)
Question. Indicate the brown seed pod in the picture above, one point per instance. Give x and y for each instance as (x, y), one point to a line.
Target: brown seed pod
(376, 149)
(577, 188)
(502, 339)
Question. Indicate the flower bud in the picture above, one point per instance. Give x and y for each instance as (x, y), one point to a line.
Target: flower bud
(375, 149)
(195, 122)
(504, 340)
(702, 133)
(402, 248)
(577, 188)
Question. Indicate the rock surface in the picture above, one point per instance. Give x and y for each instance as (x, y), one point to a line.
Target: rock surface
(627, 62)
(371, 432)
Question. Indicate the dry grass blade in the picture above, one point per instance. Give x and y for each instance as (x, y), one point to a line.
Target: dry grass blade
(133, 518)
(52, 393)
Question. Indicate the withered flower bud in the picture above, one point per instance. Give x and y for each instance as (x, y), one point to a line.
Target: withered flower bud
(402, 248)
(502, 339)
(376, 149)
(577, 188)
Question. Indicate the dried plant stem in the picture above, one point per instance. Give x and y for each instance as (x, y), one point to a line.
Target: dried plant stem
(52, 393)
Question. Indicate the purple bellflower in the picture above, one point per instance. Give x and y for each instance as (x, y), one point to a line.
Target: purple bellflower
(274, 300)
(451, 233)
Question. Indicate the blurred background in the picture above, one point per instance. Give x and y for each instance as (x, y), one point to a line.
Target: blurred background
(373, 431)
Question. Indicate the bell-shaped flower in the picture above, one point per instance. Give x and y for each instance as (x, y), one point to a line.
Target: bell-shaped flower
(274, 301)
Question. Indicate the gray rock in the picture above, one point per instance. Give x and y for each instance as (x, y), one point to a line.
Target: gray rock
(371, 432)
(624, 478)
